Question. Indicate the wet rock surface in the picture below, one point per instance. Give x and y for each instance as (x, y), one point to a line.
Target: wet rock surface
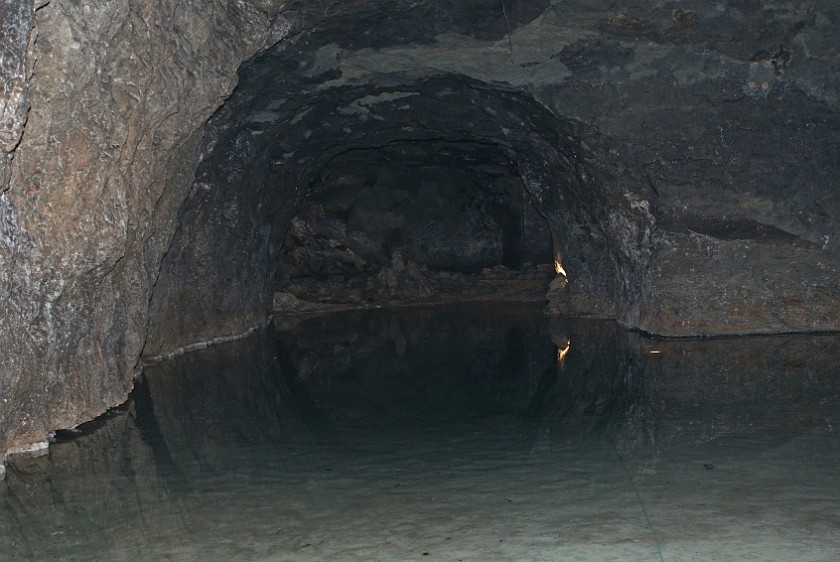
(682, 156)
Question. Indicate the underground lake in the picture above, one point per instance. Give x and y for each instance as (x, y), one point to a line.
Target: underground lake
(460, 432)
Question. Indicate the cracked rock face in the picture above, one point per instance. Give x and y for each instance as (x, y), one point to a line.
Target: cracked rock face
(154, 154)
(116, 102)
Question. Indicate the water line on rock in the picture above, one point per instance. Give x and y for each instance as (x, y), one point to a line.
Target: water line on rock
(154, 359)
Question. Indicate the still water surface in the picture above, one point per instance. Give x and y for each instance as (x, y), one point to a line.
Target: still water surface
(461, 433)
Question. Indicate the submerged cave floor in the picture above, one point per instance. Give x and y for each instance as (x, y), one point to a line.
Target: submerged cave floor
(450, 434)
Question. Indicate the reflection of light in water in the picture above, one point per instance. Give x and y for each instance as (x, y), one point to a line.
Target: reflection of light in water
(562, 353)
(558, 268)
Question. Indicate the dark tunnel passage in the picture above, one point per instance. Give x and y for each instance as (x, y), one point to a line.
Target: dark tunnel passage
(412, 220)
(405, 158)
(333, 172)
(459, 206)
(300, 139)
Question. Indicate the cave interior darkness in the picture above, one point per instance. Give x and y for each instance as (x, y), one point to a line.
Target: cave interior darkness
(351, 194)
(444, 206)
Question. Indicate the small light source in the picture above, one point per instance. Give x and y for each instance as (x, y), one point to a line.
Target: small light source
(558, 268)
(654, 352)
(562, 353)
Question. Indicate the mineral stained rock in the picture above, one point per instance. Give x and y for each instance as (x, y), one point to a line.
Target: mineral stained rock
(153, 155)
(90, 191)
(16, 22)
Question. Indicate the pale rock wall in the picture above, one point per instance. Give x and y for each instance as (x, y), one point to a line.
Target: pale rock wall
(118, 96)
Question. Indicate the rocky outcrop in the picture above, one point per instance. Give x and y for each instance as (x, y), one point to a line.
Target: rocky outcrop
(16, 23)
(90, 192)
(683, 156)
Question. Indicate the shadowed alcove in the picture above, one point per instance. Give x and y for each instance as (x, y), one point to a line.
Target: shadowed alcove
(438, 211)
(277, 157)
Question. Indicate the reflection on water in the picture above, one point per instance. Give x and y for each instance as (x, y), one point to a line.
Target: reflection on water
(451, 434)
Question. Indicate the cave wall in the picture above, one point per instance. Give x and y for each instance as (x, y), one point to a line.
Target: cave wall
(113, 95)
(447, 206)
(683, 153)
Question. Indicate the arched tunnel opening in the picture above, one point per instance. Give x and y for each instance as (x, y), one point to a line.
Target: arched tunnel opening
(370, 195)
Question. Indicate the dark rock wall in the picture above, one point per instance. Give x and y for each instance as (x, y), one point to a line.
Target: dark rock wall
(684, 156)
(448, 206)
